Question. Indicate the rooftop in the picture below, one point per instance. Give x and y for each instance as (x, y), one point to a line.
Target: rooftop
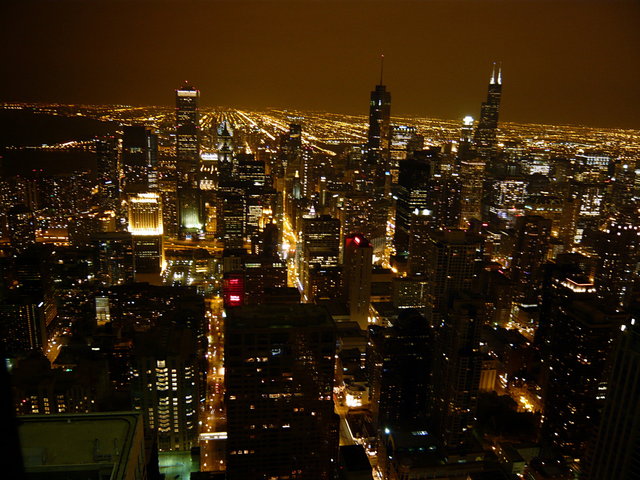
(91, 443)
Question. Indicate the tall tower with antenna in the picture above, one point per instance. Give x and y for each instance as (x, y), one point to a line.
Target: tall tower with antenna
(485, 134)
(379, 136)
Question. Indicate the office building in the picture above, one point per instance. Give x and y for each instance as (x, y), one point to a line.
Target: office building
(399, 361)
(165, 384)
(613, 453)
(113, 262)
(357, 267)
(456, 371)
(320, 239)
(139, 159)
(454, 261)
(581, 337)
(187, 132)
(145, 214)
(279, 370)
(107, 171)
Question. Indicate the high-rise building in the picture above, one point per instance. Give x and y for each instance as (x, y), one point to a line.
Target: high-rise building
(145, 214)
(145, 226)
(379, 134)
(454, 261)
(139, 159)
(485, 134)
(107, 171)
(413, 194)
(399, 362)
(187, 131)
(279, 371)
(614, 453)
(533, 235)
(357, 256)
(456, 372)
(292, 151)
(320, 241)
(581, 335)
(618, 249)
(471, 189)
(465, 144)
(23, 326)
(165, 386)
(147, 258)
(113, 258)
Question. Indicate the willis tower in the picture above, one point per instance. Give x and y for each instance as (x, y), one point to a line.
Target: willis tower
(485, 135)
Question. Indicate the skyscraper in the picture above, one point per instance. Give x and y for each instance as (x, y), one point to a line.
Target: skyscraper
(139, 158)
(533, 234)
(379, 135)
(145, 225)
(581, 337)
(145, 214)
(358, 254)
(279, 369)
(485, 134)
(188, 161)
(165, 386)
(453, 263)
(456, 373)
(320, 246)
(615, 451)
(107, 174)
(187, 130)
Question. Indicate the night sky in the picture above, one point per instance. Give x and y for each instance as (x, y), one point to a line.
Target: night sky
(575, 62)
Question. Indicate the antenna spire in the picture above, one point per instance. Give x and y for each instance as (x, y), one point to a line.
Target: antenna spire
(493, 73)
(381, 67)
(500, 73)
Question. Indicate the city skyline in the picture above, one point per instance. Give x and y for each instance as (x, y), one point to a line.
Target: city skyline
(438, 56)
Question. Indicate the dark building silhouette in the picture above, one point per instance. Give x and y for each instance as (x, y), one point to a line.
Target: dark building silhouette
(279, 368)
(357, 268)
(107, 174)
(615, 451)
(581, 337)
(456, 371)
(532, 240)
(399, 363)
(139, 159)
(379, 134)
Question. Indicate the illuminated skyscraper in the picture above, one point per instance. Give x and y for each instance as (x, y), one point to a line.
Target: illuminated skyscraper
(188, 161)
(145, 225)
(165, 386)
(187, 130)
(145, 214)
(485, 135)
(466, 138)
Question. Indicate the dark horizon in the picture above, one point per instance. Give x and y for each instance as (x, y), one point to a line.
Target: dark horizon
(568, 62)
